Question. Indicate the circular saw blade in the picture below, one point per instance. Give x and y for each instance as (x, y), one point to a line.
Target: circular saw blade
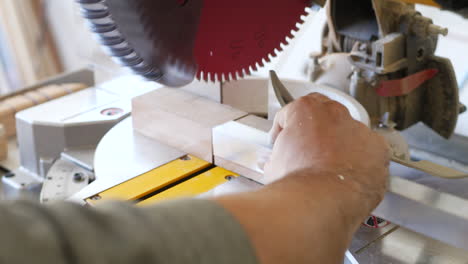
(172, 41)
(236, 37)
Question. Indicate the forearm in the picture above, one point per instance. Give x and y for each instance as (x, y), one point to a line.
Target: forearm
(188, 231)
(302, 218)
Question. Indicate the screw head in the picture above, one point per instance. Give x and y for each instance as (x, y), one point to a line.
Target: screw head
(112, 111)
(78, 177)
(187, 157)
(96, 197)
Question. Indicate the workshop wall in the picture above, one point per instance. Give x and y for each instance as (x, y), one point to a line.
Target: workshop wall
(27, 48)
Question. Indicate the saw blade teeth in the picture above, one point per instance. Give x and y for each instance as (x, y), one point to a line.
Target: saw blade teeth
(218, 69)
(282, 46)
(261, 63)
(213, 77)
(245, 72)
(257, 66)
(277, 51)
(252, 68)
(270, 57)
(293, 34)
(228, 76)
(202, 76)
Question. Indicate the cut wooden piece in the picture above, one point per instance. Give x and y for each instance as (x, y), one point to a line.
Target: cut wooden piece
(242, 146)
(181, 119)
(239, 169)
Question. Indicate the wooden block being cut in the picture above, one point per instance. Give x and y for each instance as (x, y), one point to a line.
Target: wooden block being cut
(242, 146)
(181, 119)
(249, 95)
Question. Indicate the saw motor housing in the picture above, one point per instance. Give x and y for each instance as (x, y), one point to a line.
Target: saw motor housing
(388, 48)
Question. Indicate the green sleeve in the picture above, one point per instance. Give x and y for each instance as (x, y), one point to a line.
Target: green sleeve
(184, 231)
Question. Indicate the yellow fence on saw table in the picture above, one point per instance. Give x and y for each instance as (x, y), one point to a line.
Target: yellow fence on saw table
(185, 177)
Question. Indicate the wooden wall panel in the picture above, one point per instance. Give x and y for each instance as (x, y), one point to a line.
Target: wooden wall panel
(28, 41)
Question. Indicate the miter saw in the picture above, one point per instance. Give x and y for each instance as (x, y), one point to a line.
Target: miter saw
(388, 45)
(377, 57)
(381, 52)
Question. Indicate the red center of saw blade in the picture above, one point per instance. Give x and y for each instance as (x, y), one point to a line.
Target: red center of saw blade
(234, 37)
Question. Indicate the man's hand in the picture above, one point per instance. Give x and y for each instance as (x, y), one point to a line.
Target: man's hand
(317, 134)
(328, 172)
